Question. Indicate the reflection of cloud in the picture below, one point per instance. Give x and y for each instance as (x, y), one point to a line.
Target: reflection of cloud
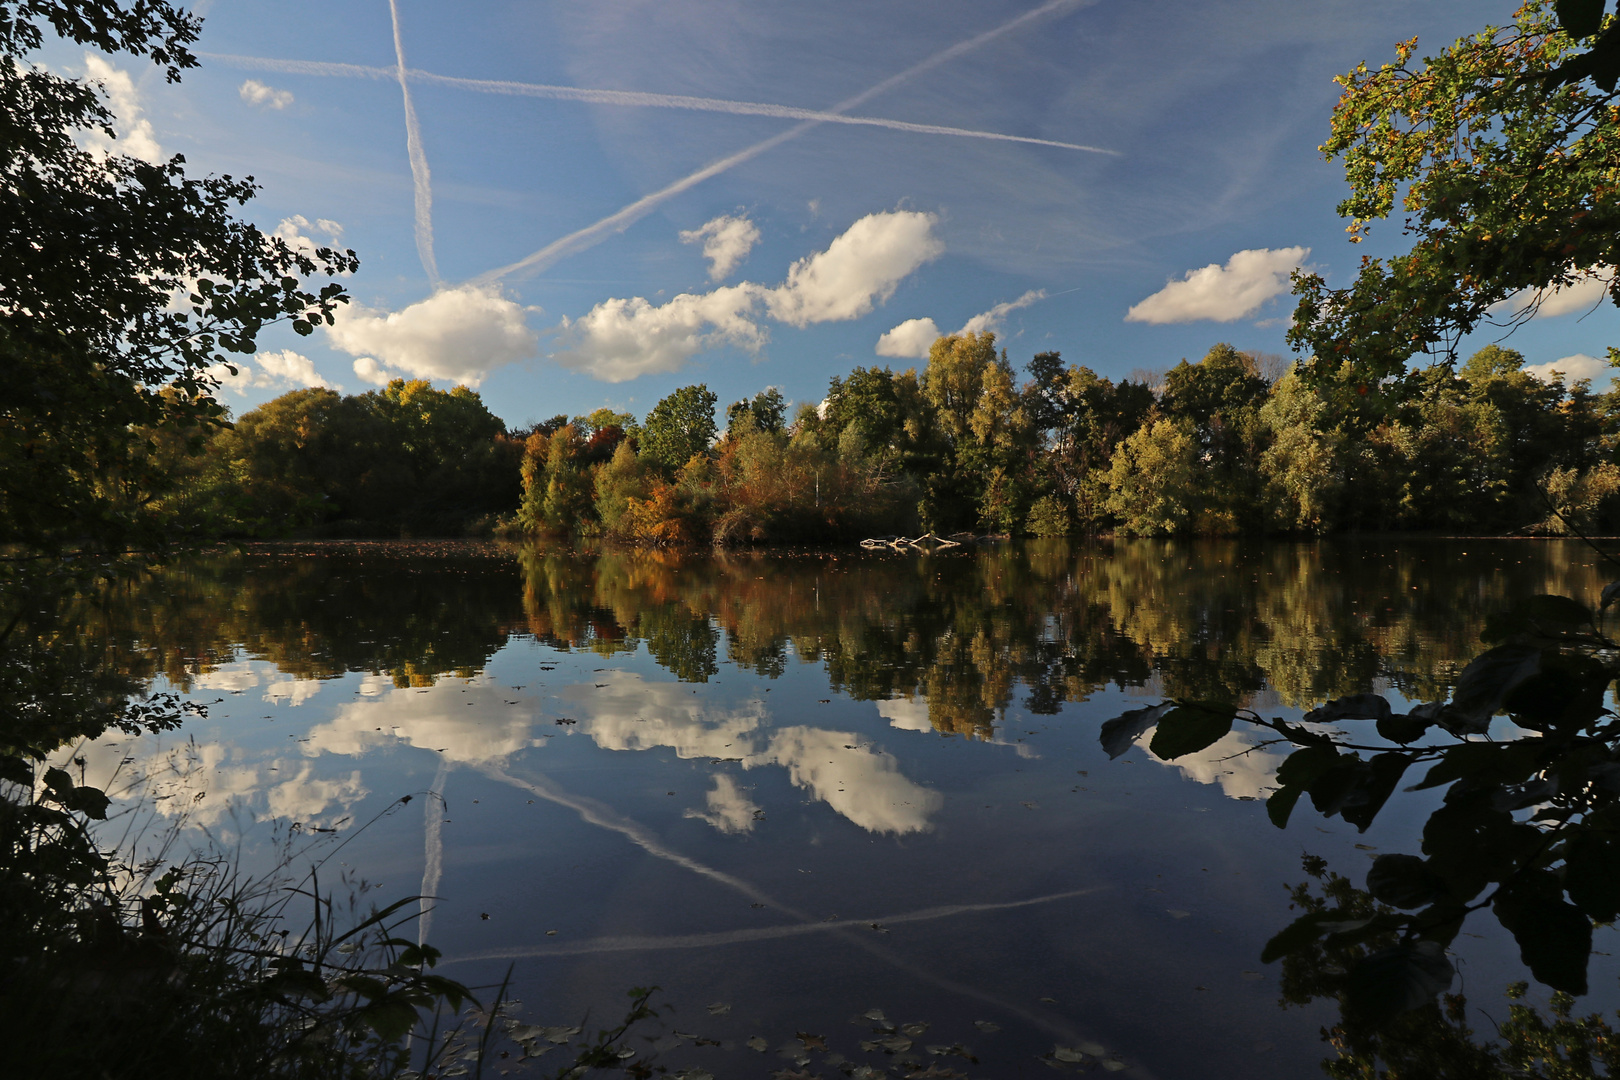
(202, 782)
(292, 691)
(730, 810)
(864, 786)
(1242, 771)
(231, 677)
(471, 724)
(907, 714)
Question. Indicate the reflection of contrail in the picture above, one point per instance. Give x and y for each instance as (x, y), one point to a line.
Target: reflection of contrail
(433, 806)
(597, 813)
(421, 179)
(634, 98)
(766, 933)
(617, 222)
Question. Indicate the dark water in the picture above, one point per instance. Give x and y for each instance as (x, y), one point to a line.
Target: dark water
(796, 787)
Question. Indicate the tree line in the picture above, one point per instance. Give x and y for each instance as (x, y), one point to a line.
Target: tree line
(1219, 447)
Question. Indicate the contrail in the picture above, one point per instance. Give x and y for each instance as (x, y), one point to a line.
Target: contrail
(597, 813)
(589, 236)
(766, 933)
(433, 849)
(421, 179)
(634, 98)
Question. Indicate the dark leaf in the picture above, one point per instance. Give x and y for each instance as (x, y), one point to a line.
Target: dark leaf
(1191, 728)
(89, 801)
(391, 1018)
(1403, 881)
(58, 781)
(1580, 18)
(1281, 804)
(1354, 707)
(1303, 766)
(1592, 874)
(1611, 592)
(1395, 981)
(1484, 683)
(1538, 615)
(1482, 762)
(1305, 930)
(1375, 782)
(1555, 939)
(1470, 844)
(1121, 733)
(1404, 728)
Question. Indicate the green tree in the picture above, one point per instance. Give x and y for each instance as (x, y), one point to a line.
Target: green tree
(767, 411)
(1154, 480)
(1506, 176)
(679, 427)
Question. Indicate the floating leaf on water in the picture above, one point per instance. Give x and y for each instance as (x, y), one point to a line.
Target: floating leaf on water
(1096, 1050)
(989, 1027)
(758, 1043)
(869, 1045)
(1177, 913)
(1050, 1001)
(1114, 1065)
(1067, 1053)
(812, 1042)
(866, 1072)
(1253, 976)
(895, 1044)
(914, 1030)
(558, 1035)
(875, 1014)
(719, 1008)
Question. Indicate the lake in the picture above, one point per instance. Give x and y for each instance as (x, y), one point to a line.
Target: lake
(790, 788)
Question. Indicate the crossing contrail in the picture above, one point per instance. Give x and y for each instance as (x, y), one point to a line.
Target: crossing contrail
(621, 220)
(421, 178)
(760, 933)
(633, 99)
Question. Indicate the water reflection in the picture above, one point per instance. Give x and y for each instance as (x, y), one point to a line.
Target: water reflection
(870, 738)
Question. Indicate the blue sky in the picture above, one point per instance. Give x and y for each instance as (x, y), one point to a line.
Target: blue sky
(1189, 135)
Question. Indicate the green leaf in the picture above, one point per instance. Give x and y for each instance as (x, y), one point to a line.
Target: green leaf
(1555, 939)
(1579, 18)
(1191, 728)
(1403, 881)
(1395, 981)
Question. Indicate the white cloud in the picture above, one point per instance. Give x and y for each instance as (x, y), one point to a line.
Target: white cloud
(1574, 368)
(622, 339)
(458, 335)
(255, 92)
(730, 810)
(372, 372)
(859, 269)
(911, 339)
(907, 714)
(272, 370)
(472, 723)
(991, 320)
(1222, 293)
(293, 691)
(726, 240)
(295, 232)
(1584, 294)
(135, 135)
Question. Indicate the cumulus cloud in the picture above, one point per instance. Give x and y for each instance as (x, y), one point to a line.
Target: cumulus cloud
(726, 240)
(258, 94)
(1573, 368)
(1222, 293)
(372, 372)
(621, 339)
(458, 335)
(1583, 294)
(135, 135)
(858, 270)
(913, 338)
(286, 370)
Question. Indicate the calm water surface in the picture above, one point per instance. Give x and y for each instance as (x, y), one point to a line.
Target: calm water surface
(791, 788)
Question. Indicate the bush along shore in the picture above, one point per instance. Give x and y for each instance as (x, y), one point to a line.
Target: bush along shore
(1232, 444)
